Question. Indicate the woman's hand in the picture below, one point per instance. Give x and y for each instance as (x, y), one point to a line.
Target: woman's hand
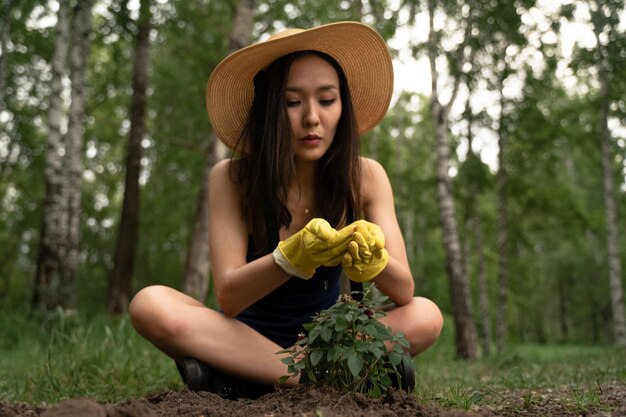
(359, 247)
(317, 244)
(366, 256)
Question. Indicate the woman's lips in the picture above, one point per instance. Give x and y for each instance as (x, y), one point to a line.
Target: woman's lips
(311, 140)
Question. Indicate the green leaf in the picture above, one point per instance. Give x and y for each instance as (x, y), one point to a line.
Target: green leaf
(316, 356)
(395, 358)
(313, 334)
(334, 354)
(378, 353)
(403, 342)
(355, 364)
(287, 361)
(385, 380)
(326, 334)
(341, 325)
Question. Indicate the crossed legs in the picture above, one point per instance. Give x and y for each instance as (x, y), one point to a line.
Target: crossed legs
(181, 327)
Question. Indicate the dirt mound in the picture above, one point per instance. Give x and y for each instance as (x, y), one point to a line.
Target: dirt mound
(300, 402)
(324, 402)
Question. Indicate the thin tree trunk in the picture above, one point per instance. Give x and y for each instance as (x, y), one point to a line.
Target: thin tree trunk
(474, 228)
(81, 30)
(125, 252)
(501, 321)
(483, 292)
(5, 30)
(562, 308)
(197, 265)
(52, 247)
(612, 223)
(465, 330)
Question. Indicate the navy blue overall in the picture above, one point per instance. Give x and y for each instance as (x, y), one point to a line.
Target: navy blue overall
(279, 316)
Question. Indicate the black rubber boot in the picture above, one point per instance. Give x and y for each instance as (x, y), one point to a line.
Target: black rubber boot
(407, 376)
(198, 376)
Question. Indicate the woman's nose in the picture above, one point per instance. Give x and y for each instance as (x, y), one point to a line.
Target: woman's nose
(311, 116)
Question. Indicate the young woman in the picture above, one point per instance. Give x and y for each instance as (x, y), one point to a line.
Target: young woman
(298, 207)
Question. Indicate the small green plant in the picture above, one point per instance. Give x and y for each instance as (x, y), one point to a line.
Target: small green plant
(528, 399)
(345, 347)
(587, 397)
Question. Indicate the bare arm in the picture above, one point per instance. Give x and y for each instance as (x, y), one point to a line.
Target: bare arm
(395, 280)
(238, 284)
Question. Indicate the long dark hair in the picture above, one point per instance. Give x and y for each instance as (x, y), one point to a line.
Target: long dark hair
(268, 166)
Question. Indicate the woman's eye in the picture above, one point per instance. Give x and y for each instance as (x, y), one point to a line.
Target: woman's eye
(327, 102)
(292, 103)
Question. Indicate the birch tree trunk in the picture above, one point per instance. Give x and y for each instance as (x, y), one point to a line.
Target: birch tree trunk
(126, 250)
(197, 265)
(612, 223)
(474, 230)
(52, 248)
(503, 237)
(81, 30)
(465, 330)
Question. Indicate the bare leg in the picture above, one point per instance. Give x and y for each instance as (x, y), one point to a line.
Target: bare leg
(181, 327)
(420, 321)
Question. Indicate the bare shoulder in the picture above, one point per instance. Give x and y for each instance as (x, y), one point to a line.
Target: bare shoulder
(223, 173)
(375, 183)
(222, 182)
(223, 168)
(373, 175)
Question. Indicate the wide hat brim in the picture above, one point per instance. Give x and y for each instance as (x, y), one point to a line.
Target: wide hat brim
(360, 51)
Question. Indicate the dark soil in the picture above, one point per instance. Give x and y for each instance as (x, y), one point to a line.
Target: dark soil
(319, 402)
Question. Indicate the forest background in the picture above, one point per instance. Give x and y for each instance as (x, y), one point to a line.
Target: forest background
(509, 172)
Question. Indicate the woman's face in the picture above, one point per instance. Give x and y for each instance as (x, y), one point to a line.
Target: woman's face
(313, 105)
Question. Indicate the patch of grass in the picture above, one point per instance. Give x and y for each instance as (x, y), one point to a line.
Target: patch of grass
(521, 377)
(585, 394)
(47, 358)
(63, 355)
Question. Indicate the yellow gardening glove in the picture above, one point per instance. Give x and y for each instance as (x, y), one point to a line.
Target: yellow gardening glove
(370, 238)
(316, 244)
(372, 235)
(366, 256)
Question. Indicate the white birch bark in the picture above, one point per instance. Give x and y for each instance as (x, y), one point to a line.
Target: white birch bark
(610, 208)
(54, 224)
(465, 329)
(81, 30)
(503, 238)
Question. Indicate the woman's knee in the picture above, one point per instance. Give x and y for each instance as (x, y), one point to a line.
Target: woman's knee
(433, 317)
(428, 324)
(151, 310)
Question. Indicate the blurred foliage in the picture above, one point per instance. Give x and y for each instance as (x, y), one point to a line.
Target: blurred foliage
(558, 277)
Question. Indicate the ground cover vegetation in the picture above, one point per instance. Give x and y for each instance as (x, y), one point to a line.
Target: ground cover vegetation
(46, 360)
(527, 157)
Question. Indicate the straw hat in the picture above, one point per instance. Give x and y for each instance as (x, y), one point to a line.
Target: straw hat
(359, 50)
